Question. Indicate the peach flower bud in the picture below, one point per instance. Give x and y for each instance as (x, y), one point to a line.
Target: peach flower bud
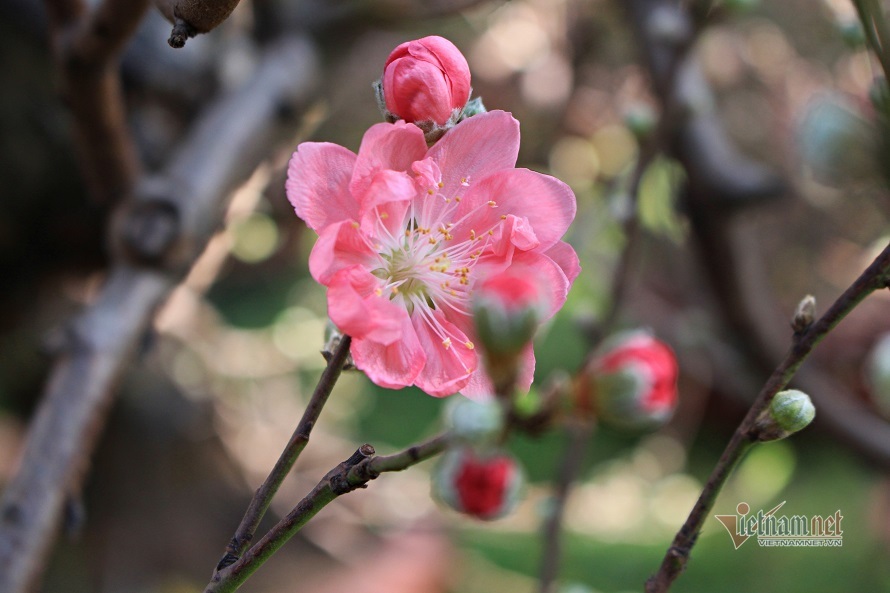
(483, 484)
(635, 381)
(426, 80)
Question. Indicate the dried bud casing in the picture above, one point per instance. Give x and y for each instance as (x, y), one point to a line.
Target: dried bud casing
(191, 17)
(486, 485)
(790, 411)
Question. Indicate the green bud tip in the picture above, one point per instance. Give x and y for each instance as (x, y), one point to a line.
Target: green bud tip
(792, 410)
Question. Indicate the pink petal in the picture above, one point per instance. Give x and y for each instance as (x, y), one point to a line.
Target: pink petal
(386, 146)
(451, 357)
(417, 91)
(339, 246)
(452, 62)
(357, 310)
(318, 184)
(392, 366)
(474, 148)
(546, 202)
(386, 201)
(565, 257)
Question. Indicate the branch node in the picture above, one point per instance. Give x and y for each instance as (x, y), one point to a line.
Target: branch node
(227, 560)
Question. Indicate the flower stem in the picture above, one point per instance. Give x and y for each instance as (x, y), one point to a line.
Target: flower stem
(875, 277)
(298, 441)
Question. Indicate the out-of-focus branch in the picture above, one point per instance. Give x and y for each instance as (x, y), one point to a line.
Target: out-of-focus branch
(298, 441)
(572, 459)
(159, 234)
(350, 475)
(873, 278)
(87, 47)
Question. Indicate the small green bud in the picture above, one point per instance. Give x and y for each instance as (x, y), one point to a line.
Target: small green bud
(852, 33)
(473, 421)
(790, 411)
(640, 119)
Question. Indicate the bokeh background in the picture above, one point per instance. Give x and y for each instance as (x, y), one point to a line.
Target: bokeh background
(221, 380)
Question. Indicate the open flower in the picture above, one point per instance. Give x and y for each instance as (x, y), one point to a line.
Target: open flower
(406, 232)
(426, 80)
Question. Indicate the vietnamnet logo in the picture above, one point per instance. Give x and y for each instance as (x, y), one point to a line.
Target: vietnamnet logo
(781, 530)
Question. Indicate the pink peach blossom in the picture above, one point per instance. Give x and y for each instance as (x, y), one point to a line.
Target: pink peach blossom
(426, 80)
(406, 232)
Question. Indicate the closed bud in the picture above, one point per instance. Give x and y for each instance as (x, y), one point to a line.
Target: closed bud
(474, 421)
(484, 484)
(633, 380)
(877, 372)
(426, 80)
(804, 315)
(789, 412)
(507, 310)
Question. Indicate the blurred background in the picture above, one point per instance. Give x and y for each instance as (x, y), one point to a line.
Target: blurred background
(232, 357)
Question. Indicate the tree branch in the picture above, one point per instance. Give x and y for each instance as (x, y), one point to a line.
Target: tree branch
(873, 278)
(87, 50)
(263, 496)
(172, 217)
(350, 475)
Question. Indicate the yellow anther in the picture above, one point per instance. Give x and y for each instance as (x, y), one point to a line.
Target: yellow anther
(469, 344)
(430, 191)
(441, 185)
(432, 240)
(354, 224)
(453, 293)
(472, 234)
(457, 199)
(378, 292)
(384, 215)
(503, 217)
(447, 343)
(492, 203)
(395, 290)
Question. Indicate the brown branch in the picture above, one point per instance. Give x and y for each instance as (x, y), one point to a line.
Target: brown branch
(350, 475)
(677, 556)
(298, 441)
(172, 218)
(87, 48)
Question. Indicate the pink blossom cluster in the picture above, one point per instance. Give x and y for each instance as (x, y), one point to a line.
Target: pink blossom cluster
(407, 233)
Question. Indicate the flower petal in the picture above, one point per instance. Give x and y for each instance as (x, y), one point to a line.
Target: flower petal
(357, 310)
(339, 246)
(386, 146)
(394, 365)
(475, 148)
(565, 257)
(318, 184)
(547, 203)
(386, 201)
(451, 357)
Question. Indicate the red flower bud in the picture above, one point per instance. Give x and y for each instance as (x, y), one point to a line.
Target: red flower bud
(482, 485)
(426, 80)
(635, 380)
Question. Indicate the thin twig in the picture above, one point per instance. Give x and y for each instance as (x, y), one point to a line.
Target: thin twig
(873, 278)
(298, 441)
(350, 475)
(578, 438)
(231, 139)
